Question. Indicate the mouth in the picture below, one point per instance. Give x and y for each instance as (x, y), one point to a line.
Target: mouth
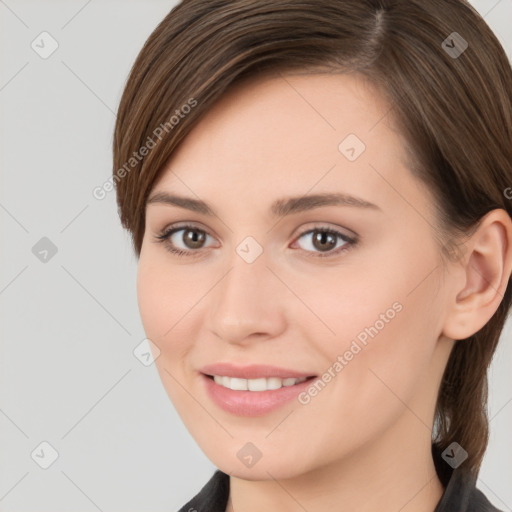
(256, 396)
(257, 384)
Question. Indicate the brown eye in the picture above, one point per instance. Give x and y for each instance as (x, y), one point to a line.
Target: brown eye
(193, 238)
(324, 242)
(183, 240)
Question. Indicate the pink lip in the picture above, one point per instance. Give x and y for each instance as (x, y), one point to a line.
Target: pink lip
(251, 403)
(253, 371)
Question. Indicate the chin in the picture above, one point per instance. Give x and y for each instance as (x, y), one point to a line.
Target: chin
(267, 468)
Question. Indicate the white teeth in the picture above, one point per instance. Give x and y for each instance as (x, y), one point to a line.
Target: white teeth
(262, 384)
(236, 384)
(255, 384)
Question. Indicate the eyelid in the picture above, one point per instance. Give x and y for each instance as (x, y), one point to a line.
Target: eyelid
(326, 226)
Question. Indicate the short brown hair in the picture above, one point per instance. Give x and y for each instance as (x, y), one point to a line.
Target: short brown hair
(453, 109)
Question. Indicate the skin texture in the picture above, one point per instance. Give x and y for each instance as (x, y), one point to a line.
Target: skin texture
(363, 443)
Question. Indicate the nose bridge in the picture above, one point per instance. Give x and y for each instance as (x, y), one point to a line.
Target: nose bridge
(245, 301)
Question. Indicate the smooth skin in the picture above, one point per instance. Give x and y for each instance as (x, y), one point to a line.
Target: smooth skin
(364, 442)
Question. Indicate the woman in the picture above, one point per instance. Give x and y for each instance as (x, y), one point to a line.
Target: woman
(316, 195)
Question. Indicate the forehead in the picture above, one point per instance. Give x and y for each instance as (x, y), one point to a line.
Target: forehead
(289, 109)
(287, 132)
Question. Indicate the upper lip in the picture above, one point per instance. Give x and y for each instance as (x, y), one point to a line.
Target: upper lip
(253, 371)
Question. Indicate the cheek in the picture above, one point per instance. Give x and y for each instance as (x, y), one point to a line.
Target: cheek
(164, 302)
(164, 305)
(386, 324)
(173, 302)
(151, 299)
(377, 366)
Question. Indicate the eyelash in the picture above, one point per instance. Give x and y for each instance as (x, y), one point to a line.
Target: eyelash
(164, 236)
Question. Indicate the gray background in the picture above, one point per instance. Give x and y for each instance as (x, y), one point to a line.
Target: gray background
(69, 325)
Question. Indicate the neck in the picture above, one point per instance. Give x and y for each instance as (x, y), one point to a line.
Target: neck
(377, 476)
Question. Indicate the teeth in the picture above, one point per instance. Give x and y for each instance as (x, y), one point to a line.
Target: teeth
(262, 384)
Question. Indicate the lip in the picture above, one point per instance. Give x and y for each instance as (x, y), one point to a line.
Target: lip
(253, 371)
(251, 403)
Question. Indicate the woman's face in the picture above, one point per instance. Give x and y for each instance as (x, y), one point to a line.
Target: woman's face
(347, 291)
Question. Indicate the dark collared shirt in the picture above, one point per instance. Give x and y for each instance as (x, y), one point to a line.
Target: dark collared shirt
(460, 492)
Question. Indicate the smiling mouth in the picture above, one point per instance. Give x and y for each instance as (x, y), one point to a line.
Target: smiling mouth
(258, 384)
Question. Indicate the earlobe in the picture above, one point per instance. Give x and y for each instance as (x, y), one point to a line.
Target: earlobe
(486, 266)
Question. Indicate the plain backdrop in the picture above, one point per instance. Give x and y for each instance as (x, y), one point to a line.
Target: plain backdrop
(69, 318)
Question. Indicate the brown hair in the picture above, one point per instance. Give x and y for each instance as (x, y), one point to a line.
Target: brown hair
(454, 112)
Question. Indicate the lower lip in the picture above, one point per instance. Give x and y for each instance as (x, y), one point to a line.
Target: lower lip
(252, 403)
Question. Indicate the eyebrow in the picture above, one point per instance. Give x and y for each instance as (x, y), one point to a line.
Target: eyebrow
(279, 208)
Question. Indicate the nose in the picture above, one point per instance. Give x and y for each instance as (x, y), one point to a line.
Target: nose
(247, 303)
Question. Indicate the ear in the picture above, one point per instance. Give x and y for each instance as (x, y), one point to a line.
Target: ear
(481, 276)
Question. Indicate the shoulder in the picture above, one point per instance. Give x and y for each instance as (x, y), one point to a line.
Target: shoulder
(462, 495)
(213, 497)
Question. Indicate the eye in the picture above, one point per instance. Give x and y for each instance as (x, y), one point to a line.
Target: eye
(324, 240)
(191, 239)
